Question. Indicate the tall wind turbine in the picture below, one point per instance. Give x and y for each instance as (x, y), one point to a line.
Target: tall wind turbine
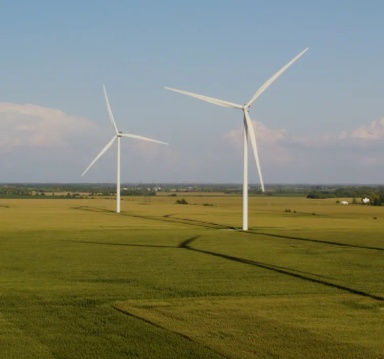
(248, 129)
(118, 135)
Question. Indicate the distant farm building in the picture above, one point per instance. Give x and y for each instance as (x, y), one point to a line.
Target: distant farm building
(365, 200)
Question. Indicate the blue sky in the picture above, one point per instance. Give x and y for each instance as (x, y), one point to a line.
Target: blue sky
(321, 122)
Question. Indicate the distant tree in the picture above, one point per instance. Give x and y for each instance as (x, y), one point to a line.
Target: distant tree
(377, 199)
(317, 195)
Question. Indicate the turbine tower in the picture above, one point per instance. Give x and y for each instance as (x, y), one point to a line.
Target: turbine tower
(249, 131)
(118, 135)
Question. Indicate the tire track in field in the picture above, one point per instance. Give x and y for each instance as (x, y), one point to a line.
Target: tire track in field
(184, 336)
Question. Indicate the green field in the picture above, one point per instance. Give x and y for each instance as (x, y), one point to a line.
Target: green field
(163, 280)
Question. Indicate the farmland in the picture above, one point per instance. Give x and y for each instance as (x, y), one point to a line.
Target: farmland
(165, 280)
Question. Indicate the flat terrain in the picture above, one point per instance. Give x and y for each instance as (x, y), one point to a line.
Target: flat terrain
(163, 280)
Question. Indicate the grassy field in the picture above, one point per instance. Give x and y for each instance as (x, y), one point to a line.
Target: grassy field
(163, 280)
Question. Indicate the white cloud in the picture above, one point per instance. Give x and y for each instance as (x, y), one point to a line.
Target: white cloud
(265, 135)
(268, 138)
(316, 141)
(372, 132)
(320, 157)
(147, 150)
(58, 146)
(30, 125)
(52, 145)
(270, 142)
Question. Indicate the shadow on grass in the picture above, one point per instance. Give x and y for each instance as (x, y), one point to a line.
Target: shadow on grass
(186, 244)
(170, 218)
(250, 232)
(210, 225)
(200, 223)
(167, 218)
(180, 334)
(118, 244)
(93, 209)
(281, 270)
(318, 241)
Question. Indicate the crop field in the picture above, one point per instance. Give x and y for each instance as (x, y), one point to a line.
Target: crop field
(165, 280)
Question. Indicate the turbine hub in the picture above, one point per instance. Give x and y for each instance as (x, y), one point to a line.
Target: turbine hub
(246, 108)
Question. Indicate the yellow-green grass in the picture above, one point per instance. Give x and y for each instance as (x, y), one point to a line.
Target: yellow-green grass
(163, 280)
(320, 326)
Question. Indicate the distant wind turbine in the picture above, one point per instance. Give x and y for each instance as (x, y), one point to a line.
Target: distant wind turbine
(248, 129)
(118, 135)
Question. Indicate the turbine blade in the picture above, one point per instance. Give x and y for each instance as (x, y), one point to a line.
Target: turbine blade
(109, 144)
(273, 78)
(142, 138)
(110, 114)
(252, 136)
(206, 98)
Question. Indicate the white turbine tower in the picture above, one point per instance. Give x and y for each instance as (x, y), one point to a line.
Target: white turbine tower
(248, 129)
(118, 135)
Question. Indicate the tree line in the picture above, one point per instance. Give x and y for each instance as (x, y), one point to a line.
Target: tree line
(375, 194)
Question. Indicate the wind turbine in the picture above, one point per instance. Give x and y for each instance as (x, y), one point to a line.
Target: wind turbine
(118, 135)
(248, 129)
